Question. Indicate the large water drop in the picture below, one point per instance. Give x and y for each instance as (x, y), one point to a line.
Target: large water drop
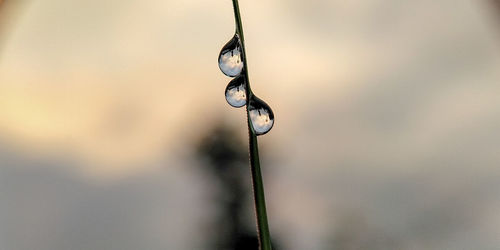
(261, 116)
(230, 59)
(235, 92)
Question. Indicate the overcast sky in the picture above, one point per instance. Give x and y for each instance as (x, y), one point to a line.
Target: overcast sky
(386, 111)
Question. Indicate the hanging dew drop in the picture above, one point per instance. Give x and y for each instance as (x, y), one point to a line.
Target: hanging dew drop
(236, 97)
(261, 116)
(230, 57)
(235, 92)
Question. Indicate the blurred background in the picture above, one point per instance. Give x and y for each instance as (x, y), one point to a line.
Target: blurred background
(115, 134)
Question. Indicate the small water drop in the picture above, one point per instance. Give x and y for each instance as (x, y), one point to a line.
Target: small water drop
(235, 92)
(261, 116)
(230, 61)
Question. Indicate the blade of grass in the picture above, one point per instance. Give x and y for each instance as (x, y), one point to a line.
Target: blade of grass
(257, 182)
(258, 190)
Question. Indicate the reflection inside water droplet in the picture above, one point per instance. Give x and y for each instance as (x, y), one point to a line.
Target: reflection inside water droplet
(230, 61)
(261, 116)
(235, 92)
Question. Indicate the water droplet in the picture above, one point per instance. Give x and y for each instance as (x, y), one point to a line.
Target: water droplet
(235, 92)
(261, 116)
(230, 61)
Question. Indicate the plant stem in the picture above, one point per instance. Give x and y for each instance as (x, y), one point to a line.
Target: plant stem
(257, 183)
(258, 191)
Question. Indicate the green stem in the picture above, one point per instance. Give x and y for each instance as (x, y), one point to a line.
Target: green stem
(258, 191)
(258, 185)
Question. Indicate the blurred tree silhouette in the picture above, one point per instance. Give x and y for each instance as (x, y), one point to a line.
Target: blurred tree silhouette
(226, 159)
(496, 2)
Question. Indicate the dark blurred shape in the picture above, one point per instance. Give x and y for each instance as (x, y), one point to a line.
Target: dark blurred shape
(496, 5)
(226, 161)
